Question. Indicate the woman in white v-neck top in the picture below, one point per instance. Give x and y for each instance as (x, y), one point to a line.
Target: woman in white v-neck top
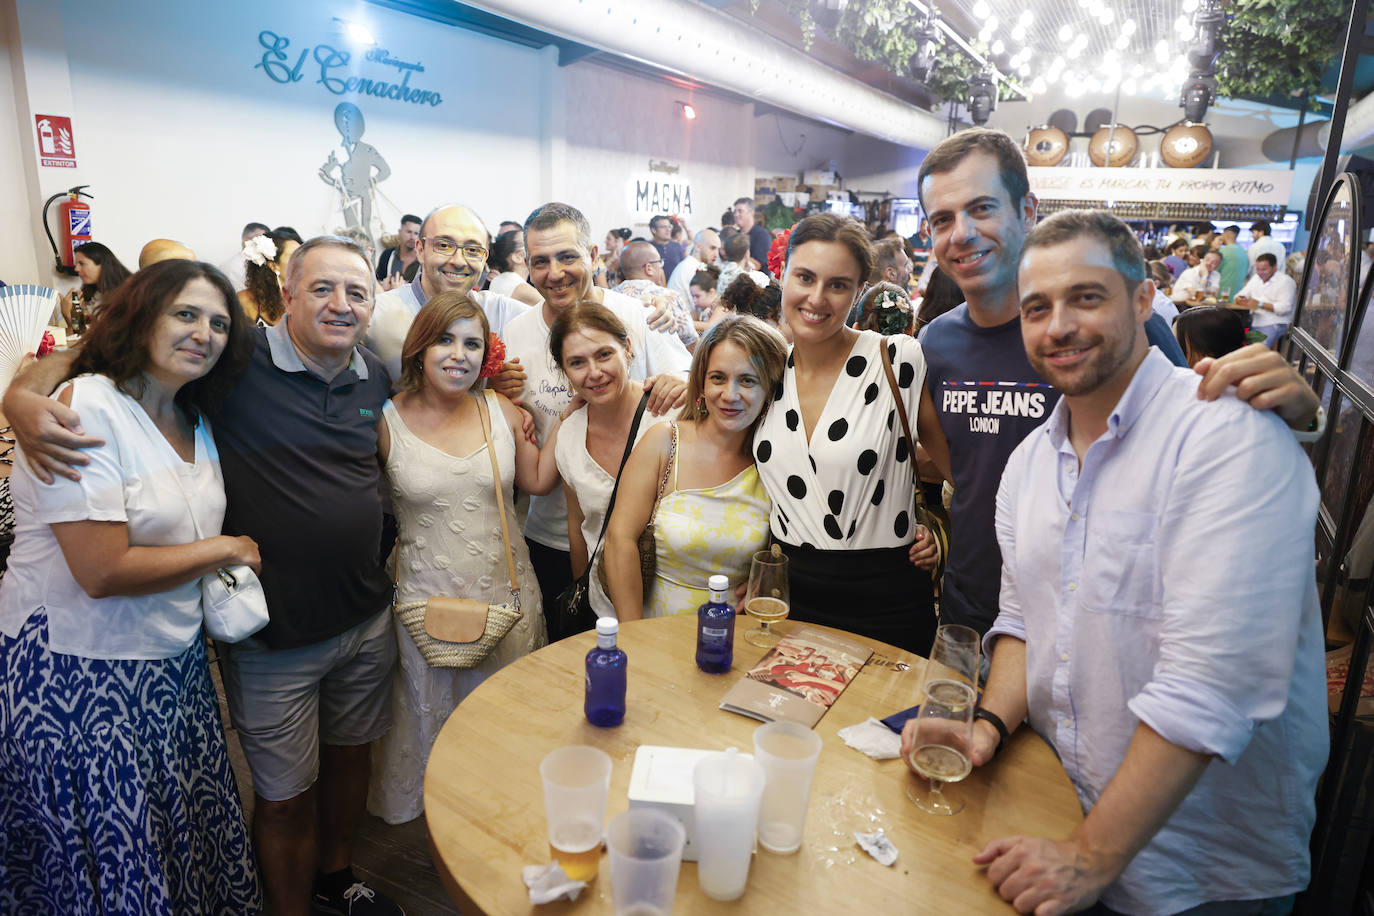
(110, 733)
(831, 452)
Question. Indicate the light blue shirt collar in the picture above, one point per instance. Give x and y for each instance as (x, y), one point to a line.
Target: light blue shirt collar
(1145, 384)
(285, 357)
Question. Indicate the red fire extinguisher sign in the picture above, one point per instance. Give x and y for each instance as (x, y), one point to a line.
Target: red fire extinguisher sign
(56, 148)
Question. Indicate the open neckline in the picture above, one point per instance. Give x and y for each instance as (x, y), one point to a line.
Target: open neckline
(430, 445)
(151, 428)
(830, 395)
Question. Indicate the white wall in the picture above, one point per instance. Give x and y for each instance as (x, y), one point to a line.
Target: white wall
(17, 258)
(619, 121)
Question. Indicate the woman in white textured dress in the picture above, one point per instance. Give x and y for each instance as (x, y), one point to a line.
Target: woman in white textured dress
(435, 457)
(591, 346)
(713, 515)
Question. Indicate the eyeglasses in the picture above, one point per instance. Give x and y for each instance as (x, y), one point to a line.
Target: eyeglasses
(651, 263)
(448, 249)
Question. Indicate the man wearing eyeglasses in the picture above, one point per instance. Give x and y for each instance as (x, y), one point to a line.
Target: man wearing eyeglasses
(642, 267)
(452, 250)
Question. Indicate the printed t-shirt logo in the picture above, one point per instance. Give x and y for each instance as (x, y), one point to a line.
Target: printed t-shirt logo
(986, 403)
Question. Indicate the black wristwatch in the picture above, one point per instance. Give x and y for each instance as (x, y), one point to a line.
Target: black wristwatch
(997, 723)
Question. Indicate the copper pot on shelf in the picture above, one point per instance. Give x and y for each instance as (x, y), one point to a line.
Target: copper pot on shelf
(1185, 145)
(1113, 146)
(1046, 146)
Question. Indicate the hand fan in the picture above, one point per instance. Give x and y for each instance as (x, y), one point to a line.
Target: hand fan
(24, 313)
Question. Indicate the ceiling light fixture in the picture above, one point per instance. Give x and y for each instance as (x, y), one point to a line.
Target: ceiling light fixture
(689, 111)
(356, 32)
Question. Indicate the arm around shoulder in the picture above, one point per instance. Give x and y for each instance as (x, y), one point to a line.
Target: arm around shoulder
(48, 432)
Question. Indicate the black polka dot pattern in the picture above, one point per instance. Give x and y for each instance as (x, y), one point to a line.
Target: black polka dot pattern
(891, 415)
(856, 366)
(777, 393)
(868, 461)
(852, 525)
(836, 501)
(791, 363)
(764, 450)
(871, 393)
(902, 525)
(837, 429)
(892, 351)
(906, 374)
(813, 464)
(878, 492)
(902, 454)
(793, 420)
(797, 487)
(832, 527)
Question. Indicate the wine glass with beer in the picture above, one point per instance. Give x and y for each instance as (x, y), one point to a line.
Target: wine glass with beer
(943, 732)
(766, 598)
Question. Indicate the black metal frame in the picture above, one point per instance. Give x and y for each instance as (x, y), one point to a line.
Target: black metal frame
(1335, 888)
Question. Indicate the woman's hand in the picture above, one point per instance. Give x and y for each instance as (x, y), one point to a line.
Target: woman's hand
(243, 551)
(925, 550)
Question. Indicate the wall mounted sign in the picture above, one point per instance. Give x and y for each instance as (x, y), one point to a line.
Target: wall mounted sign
(55, 147)
(650, 194)
(1213, 186)
(337, 72)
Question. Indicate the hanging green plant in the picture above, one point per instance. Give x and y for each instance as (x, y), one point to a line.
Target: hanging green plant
(1279, 47)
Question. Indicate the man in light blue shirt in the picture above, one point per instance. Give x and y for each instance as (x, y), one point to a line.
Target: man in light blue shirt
(1158, 621)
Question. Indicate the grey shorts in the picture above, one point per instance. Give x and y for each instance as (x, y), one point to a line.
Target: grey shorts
(284, 702)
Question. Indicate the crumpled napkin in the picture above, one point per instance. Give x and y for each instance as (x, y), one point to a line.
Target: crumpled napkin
(877, 845)
(873, 738)
(549, 882)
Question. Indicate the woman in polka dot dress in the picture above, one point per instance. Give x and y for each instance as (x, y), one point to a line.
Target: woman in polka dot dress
(832, 456)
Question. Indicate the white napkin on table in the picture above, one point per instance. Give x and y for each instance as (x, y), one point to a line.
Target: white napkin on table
(874, 739)
(549, 882)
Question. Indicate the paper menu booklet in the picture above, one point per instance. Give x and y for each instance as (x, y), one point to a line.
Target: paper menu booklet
(799, 678)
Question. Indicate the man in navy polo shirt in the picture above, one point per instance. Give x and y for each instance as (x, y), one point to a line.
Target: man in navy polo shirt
(311, 691)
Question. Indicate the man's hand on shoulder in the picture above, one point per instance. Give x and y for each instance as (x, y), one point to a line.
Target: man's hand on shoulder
(510, 381)
(49, 433)
(1263, 379)
(661, 316)
(1045, 877)
(665, 393)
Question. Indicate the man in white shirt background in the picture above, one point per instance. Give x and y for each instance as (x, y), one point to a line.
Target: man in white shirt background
(561, 255)
(1264, 243)
(1204, 278)
(1158, 625)
(1271, 293)
(705, 250)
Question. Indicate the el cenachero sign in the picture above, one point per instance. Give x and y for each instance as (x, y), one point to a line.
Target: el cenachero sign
(337, 72)
(1216, 186)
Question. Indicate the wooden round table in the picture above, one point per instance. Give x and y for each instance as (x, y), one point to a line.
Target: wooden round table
(485, 807)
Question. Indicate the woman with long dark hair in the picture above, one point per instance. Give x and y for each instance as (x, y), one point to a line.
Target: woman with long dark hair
(115, 786)
(100, 273)
(265, 258)
(510, 273)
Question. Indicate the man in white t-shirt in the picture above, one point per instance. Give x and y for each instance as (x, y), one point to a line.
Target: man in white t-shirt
(1204, 278)
(1272, 294)
(706, 250)
(560, 253)
(452, 251)
(1264, 243)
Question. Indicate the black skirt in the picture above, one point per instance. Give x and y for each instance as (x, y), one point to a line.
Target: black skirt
(876, 593)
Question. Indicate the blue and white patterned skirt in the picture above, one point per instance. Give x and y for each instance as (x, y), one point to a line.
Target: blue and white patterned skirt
(116, 794)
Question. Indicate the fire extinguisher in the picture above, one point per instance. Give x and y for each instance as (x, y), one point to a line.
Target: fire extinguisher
(74, 226)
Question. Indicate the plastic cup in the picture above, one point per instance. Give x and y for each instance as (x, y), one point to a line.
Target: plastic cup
(787, 752)
(727, 788)
(644, 847)
(577, 781)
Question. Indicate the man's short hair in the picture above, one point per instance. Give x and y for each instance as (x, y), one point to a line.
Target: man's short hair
(255, 227)
(551, 214)
(747, 201)
(466, 209)
(885, 254)
(737, 247)
(1233, 229)
(634, 258)
(700, 238)
(297, 262)
(1127, 256)
(1262, 225)
(1268, 259)
(410, 218)
(948, 153)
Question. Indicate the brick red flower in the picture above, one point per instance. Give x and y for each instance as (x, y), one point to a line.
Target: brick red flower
(46, 345)
(496, 357)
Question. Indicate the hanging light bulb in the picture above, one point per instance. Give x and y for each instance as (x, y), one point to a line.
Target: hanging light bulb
(1065, 33)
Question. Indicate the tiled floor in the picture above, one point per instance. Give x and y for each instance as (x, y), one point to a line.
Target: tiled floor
(394, 860)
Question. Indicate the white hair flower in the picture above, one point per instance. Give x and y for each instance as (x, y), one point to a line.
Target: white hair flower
(759, 277)
(259, 249)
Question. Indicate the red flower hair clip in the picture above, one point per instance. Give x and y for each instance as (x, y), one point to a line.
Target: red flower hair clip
(47, 345)
(496, 357)
(777, 253)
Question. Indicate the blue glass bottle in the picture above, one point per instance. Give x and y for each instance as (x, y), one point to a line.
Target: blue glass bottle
(716, 629)
(606, 664)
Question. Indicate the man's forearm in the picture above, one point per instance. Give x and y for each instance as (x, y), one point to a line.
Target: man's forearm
(44, 375)
(1153, 779)
(1005, 693)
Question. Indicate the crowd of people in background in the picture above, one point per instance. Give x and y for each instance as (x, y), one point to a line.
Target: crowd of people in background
(356, 427)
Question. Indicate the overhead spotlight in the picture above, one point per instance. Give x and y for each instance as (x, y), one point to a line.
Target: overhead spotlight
(689, 111)
(998, 47)
(922, 62)
(1024, 20)
(1205, 47)
(1065, 32)
(1199, 92)
(981, 9)
(982, 97)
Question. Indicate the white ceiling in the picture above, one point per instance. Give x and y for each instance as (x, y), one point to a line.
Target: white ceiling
(1098, 43)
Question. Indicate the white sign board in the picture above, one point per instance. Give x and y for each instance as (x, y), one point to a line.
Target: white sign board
(1204, 186)
(651, 193)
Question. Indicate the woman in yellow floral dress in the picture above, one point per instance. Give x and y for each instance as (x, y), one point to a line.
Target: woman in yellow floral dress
(713, 515)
